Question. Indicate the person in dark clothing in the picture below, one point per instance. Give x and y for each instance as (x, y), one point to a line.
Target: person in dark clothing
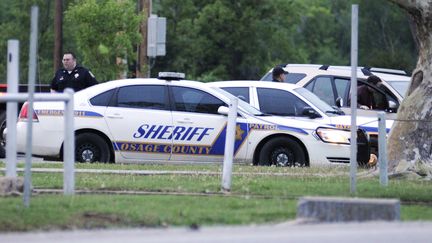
(365, 99)
(72, 75)
(365, 94)
(279, 74)
(381, 101)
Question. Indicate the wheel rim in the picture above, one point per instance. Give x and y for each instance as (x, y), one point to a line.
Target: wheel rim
(87, 153)
(283, 157)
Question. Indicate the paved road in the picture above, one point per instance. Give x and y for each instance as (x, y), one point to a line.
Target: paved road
(396, 232)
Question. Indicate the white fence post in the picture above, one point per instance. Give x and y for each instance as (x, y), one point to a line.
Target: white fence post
(12, 107)
(31, 90)
(354, 54)
(229, 145)
(382, 149)
(69, 145)
(69, 149)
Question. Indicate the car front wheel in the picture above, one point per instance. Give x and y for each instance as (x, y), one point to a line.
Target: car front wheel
(282, 151)
(91, 148)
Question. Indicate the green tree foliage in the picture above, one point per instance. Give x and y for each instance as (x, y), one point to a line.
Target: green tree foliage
(222, 39)
(214, 39)
(103, 32)
(15, 24)
(228, 39)
(386, 39)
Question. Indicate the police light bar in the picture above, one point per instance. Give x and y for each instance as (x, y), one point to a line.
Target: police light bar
(171, 75)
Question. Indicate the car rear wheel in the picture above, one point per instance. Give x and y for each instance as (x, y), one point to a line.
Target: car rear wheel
(91, 148)
(282, 151)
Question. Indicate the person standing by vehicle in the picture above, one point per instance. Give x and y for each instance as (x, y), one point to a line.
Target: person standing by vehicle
(72, 75)
(381, 101)
(366, 95)
(279, 74)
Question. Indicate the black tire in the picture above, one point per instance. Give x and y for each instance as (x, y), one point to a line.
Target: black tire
(363, 149)
(91, 148)
(2, 139)
(282, 151)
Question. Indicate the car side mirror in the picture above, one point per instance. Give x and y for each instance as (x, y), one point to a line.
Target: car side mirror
(223, 110)
(310, 112)
(339, 102)
(392, 105)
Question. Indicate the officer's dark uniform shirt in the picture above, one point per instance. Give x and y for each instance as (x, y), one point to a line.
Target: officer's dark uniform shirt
(80, 78)
(365, 97)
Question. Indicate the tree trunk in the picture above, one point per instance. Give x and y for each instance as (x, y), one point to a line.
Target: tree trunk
(409, 143)
(142, 62)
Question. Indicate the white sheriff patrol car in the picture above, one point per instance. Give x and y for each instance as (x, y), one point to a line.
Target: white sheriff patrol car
(291, 100)
(171, 120)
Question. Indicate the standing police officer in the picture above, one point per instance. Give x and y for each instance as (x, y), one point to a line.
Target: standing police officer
(278, 74)
(72, 75)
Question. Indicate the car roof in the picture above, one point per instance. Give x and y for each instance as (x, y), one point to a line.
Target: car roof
(319, 69)
(256, 83)
(137, 81)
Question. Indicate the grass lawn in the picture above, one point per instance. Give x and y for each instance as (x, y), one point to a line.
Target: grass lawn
(258, 195)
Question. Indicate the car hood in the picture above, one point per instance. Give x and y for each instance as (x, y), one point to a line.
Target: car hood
(291, 124)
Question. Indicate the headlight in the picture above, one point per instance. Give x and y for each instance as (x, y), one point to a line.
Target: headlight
(334, 135)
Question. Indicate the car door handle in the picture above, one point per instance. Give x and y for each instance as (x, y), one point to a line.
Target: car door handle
(184, 122)
(115, 116)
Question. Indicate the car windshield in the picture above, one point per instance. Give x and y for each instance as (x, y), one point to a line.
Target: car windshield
(400, 86)
(241, 104)
(316, 101)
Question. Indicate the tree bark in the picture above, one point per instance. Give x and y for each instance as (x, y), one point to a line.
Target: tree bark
(142, 62)
(410, 140)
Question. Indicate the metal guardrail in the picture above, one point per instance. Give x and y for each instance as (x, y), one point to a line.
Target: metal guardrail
(12, 97)
(69, 146)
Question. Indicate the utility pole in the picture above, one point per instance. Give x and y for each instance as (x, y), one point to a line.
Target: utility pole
(58, 33)
(144, 6)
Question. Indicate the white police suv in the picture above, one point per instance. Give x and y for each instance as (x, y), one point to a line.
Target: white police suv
(291, 100)
(332, 84)
(172, 120)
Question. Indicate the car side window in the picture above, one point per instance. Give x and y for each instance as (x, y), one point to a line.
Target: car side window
(342, 87)
(322, 87)
(389, 96)
(102, 99)
(194, 100)
(380, 100)
(309, 86)
(143, 96)
(292, 78)
(280, 102)
(240, 92)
